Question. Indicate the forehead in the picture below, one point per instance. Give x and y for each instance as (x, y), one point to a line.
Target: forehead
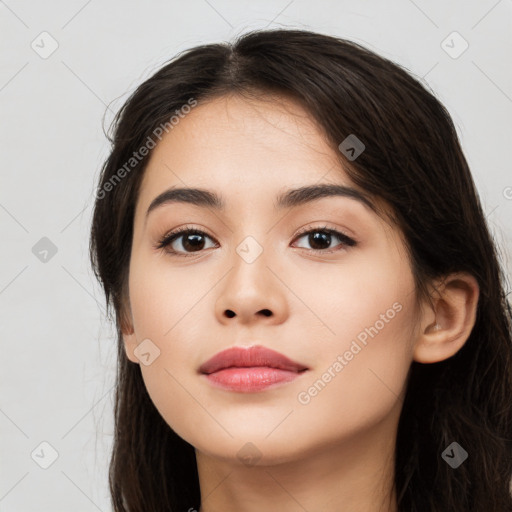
(237, 145)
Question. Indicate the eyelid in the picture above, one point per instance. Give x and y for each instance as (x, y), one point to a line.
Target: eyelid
(326, 226)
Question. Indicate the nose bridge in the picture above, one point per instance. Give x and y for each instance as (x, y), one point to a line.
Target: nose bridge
(251, 288)
(250, 259)
(253, 236)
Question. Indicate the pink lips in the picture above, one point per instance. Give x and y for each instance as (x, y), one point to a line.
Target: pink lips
(250, 369)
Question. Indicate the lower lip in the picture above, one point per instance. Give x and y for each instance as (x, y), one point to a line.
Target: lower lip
(249, 380)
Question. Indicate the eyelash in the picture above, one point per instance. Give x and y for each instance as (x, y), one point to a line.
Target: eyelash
(168, 238)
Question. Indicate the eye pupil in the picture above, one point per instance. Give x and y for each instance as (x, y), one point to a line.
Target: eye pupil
(196, 244)
(316, 237)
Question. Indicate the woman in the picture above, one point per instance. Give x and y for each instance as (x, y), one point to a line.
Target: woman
(311, 313)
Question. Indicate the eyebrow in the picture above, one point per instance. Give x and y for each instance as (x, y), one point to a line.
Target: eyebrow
(289, 199)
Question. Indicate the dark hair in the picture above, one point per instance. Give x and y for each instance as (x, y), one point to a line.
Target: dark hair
(413, 161)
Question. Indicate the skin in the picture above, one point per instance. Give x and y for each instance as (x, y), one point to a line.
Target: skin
(335, 452)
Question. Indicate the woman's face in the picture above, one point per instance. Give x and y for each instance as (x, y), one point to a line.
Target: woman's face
(345, 311)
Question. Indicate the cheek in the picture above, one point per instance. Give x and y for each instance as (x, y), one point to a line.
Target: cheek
(361, 378)
(365, 296)
(364, 360)
(163, 298)
(165, 307)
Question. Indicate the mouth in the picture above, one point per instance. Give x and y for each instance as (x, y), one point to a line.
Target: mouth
(251, 379)
(250, 369)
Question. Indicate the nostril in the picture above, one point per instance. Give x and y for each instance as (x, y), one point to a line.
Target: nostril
(230, 313)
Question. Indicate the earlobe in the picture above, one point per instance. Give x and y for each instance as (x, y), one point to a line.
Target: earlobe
(447, 324)
(130, 343)
(129, 338)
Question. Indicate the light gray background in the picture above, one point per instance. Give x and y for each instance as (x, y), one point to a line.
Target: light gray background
(58, 364)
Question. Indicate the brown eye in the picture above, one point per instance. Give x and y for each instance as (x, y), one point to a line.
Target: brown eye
(320, 239)
(186, 241)
(190, 240)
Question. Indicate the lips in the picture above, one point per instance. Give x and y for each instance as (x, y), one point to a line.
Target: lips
(255, 356)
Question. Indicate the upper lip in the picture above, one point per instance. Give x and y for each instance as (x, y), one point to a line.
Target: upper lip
(256, 355)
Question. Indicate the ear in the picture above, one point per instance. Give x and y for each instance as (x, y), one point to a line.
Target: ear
(447, 322)
(128, 332)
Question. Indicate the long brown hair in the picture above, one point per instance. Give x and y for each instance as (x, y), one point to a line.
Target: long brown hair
(414, 162)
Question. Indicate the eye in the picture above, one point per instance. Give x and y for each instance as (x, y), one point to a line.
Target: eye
(319, 237)
(191, 239)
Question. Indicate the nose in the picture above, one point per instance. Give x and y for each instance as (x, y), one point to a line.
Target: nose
(252, 292)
